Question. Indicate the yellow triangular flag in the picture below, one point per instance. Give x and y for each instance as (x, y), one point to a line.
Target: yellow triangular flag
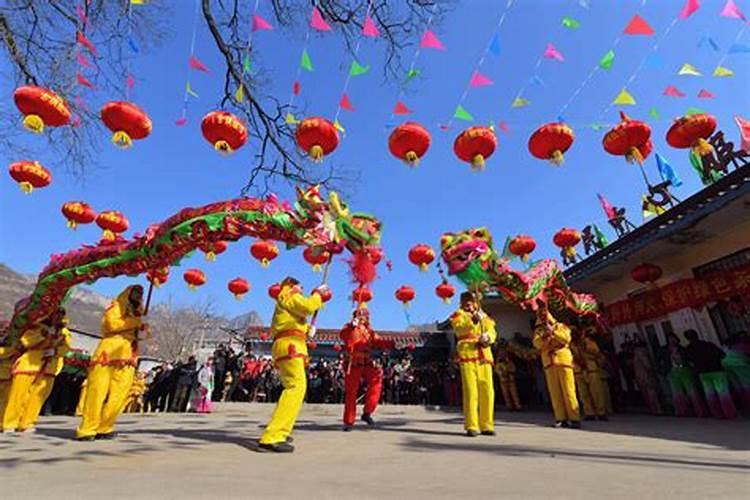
(290, 119)
(240, 94)
(190, 91)
(137, 2)
(337, 126)
(520, 102)
(624, 99)
(722, 71)
(689, 69)
(649, 209)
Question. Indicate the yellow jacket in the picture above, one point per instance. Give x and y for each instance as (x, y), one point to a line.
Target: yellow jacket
(553, 343)
(6, 362)
(292, 310)
(592, 355)
(505, 369)
(37, 342)
(120, 326)
(467, 336)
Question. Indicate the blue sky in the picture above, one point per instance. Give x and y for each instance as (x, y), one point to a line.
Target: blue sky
(175, 167)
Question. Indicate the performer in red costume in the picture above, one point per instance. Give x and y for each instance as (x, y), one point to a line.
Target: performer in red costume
(360, 341)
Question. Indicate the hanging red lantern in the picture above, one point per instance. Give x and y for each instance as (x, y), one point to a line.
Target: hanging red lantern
(312, 345)
(692, 132)
(316, 257)
(326, 295)
(550, 142)
(337, 347)
(239, 287)
(405, 294)
(567, 239)
(213, 248)
(265, 251)
(41, 107)
(445, 291)
(194, 278)
(629, 138)
(362, 295)
(421, 255)
(317, 137)
(225, 131)
(375, 254)
(274, 291)
(522, 246)
(113, 222)
(29, 175)
(409, 142)
(646, 273)
(263, 337)
(78, 212)
(158, 276)
(474, 145)
(127, 122)
(411, 346)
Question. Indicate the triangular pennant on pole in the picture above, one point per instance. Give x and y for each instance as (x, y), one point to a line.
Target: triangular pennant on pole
(638, 26)
(83, 61)
(624, 98)
(520, 102)
(306, 62)
(345, 103)
(689, 69)
(196, 64)
(606, 61)
(732, 11)
(413, 73)
(81, 38)
(247, 65)
(317, 22)
(296, 88)
(705, 94)
(370, 28)
(570, 23)
(551, 52)
(290, 119)
(479, 80)
(666, 171)
(260, 24)
(130, 81)
(357, 69)
(744, 127)
(690, 7)
(82, 80)
(239, 94)
(721, 71)
(431, 41)
(401, 109)
(672, 91)
(181, 121)
(653, 113)
(462, 114)
(190, 91)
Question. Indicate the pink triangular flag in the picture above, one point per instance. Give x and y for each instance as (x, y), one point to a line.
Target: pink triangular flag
(296, 88)
(180, 121)
(431, 41)
(195, 64)
(744, 126)
(401, 109)
(479, 80)
(81, 38)
(81, 15)
(260, 24)
(81, 104)
(75, 121)
(317, 22)
(638, 26)
(503, 127)
(690, 7)
(552, 53)
(444, 127)
(82, 80)
(705, 94)
(83, 61)
(731, 10)
(370, 28)
(673, 91)
(345, 103)
(130, 81)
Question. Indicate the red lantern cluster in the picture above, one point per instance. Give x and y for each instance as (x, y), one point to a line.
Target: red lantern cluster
(362, 295)
(421, 255)
(158, 276)
(629, 138)
(78, 212)
(113, 223)
(474, 145)
(194, 278)
(238, 287)
(567, 239)
(213, 248)
(264, 251)
(127, 122)
(550, 142)
(692, 132)
(41, 107)
(274, 291)
(316, 257)
(646, 273)
(409, 142)
(405, 294)
(224, 131)
(317, 137)
(29, 175)
(445, 291)
(522, 246)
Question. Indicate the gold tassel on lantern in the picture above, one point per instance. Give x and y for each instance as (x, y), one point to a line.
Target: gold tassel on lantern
(557, 158)
(121, 139)
(477, 163)
(411, 158)
(223, 148)
(316, 153)
(702, 147)
(634, 156)
(33, 123)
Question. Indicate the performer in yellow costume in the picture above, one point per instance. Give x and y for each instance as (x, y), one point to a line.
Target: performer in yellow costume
(34, 372)
(113, 365)
(475, 333)
(290, 330)
(552, 339)
(595, 379)
(7, 356)
(582, 384)
(505, 368)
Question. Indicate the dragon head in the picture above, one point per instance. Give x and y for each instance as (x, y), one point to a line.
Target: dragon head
(468, 254)
(355, 230)
(309, 201)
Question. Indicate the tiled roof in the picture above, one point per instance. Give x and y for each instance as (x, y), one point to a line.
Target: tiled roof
(331, 336)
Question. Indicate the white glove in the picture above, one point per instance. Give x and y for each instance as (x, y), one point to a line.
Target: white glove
(48, 353)
(484, 339)
(311, 332)
(322, 289)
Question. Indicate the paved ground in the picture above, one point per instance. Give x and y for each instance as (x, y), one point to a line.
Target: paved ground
(415, 453)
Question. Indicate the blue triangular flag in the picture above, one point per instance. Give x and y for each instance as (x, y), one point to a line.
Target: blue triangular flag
(536, 80)
(654, 61)
(738, 48)
(707, 41)
(561, 119)
(667, 172)
(495, 45)
(133, 46)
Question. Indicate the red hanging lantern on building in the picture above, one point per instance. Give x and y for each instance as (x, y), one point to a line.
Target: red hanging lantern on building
(629, 138)
(692, 132)
(158, 276)
(362, 295)
(522, 246)
(445, 291)
(41, 107)
(30, 175)
(194, 278)
(337, 347)
(316, 257)
(646, 273)
(567, 239)
(113, 222)
(411, 346)
(264, 251)
(474, 145)
(421, 255)
(78, 212)
(409, 142)
(263, 337)
(127, 122)
(317, 137)
(550, 142)
(213, 248)
(238, 287)
(224, 131)
(312, 345)
(405, 294)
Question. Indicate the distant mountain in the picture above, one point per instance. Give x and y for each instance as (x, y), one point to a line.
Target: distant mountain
(240, 323)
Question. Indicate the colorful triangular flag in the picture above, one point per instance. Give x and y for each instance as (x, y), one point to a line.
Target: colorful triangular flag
(290, 119)
(609, 210)
(654, 114)
(401, 109)
(357, 69)
(598, 126)
(601, 238)
(689, 69)
(638, 26)
(431, 41)
(196, 64)
(739, 48)
(672, 91)
(462, 114)
(83, 61)
(247, 65)
(624, 98)
(606, 61)
(570, 23)
(180, 121)
(666, 171)
(520, 102)
(479, 80)
(190, 91)
(551, 52)
(722, 71)
(650, 209)
(132, 45)
(413, 73)
(239, 94)
(130, 81)
(260, 24)
(306, 62)
(744, 127)
(705, 94)
(503, 127)
(82, 80)
(345, 103)
(494, 47)
(337, 125)
(707, 41)
(370, 28)
(732, 11)
(81, 38)
(296, 88)
(317, 22)
(690, 7)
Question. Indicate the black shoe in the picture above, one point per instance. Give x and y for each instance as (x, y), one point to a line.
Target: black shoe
(488, 433)
(276, 447)
(575, 424)
(347, 428)
(472, 434)
(106, 437)
(289, 439)
(604, 418)
(85, 438)
(565, 424)
(368, 419)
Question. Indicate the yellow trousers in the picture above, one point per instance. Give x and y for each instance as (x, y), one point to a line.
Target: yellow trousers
(4, 393)
(510, 394)
(25, 400)
(584, 394)
(81, 400)
(294, 381)
(107, 389)
(562, 392)
(478, 396)
(598, 392)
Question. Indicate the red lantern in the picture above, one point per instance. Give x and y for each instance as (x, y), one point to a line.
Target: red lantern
(213, 248)
(445, 291)
(41, 107)
(405, 294)
(376, 255)
(113, 223)
(551, 141)
(421, 255)
(411, 346)
(522, 246)
(274, 291)
(265, 251)
(312, 345)
(337, 347)
(238, 287)
(646, 273)
(127, 121)
(317, 137)
(225, 131)
(326, 296)
(78, 212)
(629, 138)
(194, 278)
(692, 132)
(158, 276)
(362, 295)
(263, 337)
(474, 145)
(316, 257)
(409, 142)
(567, 239)
(29, 175)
